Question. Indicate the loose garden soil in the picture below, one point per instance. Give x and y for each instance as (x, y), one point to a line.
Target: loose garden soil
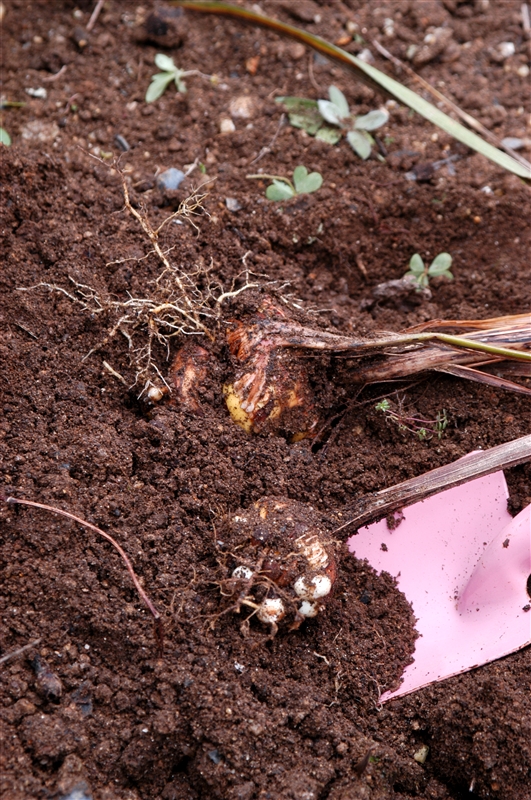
(225, 713)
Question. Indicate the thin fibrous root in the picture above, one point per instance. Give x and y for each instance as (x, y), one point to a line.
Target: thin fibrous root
(125, 558)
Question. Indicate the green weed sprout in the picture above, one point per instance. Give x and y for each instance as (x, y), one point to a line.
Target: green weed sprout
(162, 80)
(282, 188)
(337, 112)
(5, 138)
(439, 267)
(424, 429)
(310, 115)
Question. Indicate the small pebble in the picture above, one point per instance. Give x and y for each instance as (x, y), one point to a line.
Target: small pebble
(366, 56)
(513, 142)
(38, 131)
(226, 125)
(506, 49)
(121, 143)
(170, 179)
(242, 107)
(422, 753)
(233, 204)
(214, 756)
(79, 792)
(40, 93)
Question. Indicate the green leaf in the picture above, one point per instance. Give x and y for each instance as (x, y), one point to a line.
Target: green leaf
(328, 135)
(416, 264)
(423, 281)
(306, 183)
(179, 83)
(372, 120)
(296, 103)
(158, 85)
(339, 100)
(447, 274)
(279, 190)
(369, 75)
(5, 138)
(330, 112)
(309, 120)
(359, 143)
(165, 63)
(440, 264)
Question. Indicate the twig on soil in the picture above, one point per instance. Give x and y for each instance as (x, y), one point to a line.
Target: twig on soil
(20, 651)
(311, 74)
(57, 75)
(125, 558)
(475, 465)
(94, 16)
(267, 149)
(526, 25)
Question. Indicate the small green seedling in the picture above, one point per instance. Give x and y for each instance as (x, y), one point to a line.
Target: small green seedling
(282, 188)
(337, 112)
(439, 267)
(162, 80)
(310, 115)
(424, 429)
(5, 138)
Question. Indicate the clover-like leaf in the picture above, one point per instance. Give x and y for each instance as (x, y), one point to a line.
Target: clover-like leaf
(308, 119)
(416, 265)
(440, 264)
(279, 190)
(158, 85)
(372, 120)
(165, 63)
(330, 112)
(306, 182)
(328, 135)
(5, 138)
(339, 100)
(360, 143)
(447, 275)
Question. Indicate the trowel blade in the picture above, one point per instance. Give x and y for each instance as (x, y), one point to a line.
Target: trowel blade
(464, 564)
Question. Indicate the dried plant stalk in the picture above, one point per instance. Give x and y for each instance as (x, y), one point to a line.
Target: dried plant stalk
(269, 383)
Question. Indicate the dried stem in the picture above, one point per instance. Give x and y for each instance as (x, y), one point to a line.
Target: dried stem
(94, 16)
(20, 651)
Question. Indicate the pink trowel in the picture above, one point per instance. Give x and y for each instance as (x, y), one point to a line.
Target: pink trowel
(465, 565)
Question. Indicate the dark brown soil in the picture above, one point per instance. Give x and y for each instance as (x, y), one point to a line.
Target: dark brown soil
(222, 714)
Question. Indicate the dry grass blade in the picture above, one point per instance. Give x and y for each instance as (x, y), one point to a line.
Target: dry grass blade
(437, 480)
(449, 103)
(499, 342)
